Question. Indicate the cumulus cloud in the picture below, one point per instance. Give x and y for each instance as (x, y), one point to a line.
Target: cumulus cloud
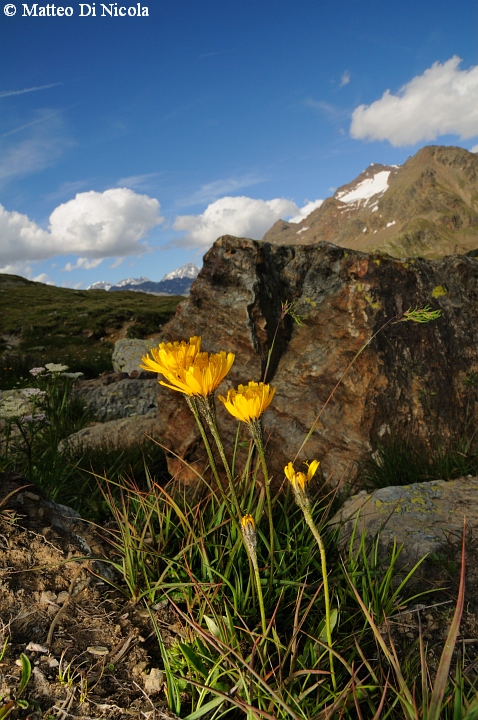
(240, 216)
(306, 210)
(442, 101)
(93, 225)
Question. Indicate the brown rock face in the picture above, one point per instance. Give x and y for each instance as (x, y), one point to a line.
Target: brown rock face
(412, 380)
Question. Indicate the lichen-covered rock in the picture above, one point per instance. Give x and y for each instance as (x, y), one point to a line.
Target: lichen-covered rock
(422, 516)
(411, 380)
(125, 397)
(127, 354)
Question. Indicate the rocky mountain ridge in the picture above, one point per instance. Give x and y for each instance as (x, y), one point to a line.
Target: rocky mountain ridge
(177, 282)
(427, 207)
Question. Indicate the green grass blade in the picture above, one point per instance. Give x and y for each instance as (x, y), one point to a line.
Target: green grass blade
(446, 656)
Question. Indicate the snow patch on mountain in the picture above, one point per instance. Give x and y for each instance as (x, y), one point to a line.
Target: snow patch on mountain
(366, 189)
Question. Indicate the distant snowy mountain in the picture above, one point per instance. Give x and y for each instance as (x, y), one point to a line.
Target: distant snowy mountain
(132, 281)
(190, 270)
(177, 282)
(101, 285)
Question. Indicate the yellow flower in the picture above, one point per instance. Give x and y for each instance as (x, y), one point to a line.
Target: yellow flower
(172, 357)
(248, 402)
(186, 368)
(201, 377)
(299, 480)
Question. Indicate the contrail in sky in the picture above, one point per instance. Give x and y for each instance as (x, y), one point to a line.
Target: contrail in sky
(8, 93)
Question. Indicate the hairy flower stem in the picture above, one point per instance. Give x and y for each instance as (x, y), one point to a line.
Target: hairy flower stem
(260, 597)
(207, 411)
(249, 536)
(255, 428)
(191, 401)
(306, 509)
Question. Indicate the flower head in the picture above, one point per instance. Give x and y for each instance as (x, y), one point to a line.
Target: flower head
(173, 356)
(299, 481)
(56, 367)
(248, 402)
(13, 407)
(187, 369)
(249, 532)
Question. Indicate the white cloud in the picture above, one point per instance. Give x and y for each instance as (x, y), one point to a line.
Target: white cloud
(240, 216)
(442, 101)
(93, 225)
(306, 210)
(43, 278)
(345, 79)
(138, 182)
(83, 264)
(474, 149)
(105, 224)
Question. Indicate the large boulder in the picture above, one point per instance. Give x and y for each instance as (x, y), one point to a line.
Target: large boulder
(411, 380)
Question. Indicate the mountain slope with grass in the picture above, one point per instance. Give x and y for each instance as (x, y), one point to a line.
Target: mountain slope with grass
(427, 207)
(42, 323)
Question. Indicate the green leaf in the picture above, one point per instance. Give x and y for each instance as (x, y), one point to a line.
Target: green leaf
(26, 673)
(194, 659)
(205, 709)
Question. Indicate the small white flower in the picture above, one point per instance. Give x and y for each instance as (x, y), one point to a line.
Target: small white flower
(33, 392)
(73, 375)
(13, 407)
(56, 368)
(37, 371)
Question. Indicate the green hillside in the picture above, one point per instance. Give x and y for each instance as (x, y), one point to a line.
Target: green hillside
(42, 323)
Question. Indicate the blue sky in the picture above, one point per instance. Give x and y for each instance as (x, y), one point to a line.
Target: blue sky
(128, 144)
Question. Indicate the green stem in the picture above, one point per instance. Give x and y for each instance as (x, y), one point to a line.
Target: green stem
(191, 401)
(305, 507)
(255, 428)
(253, 558)
(207, 411)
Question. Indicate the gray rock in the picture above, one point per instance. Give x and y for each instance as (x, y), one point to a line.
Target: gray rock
(126, 397)
(128, 353)
(423, 516)
(114, 433)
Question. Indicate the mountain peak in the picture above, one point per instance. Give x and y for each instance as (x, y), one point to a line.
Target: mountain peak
(426, 207)
(190, 270)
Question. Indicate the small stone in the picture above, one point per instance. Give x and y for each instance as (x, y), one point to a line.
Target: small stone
(35, 647)
(100, 650)
(62, 596)
(154, 682)
(48, 597)
(139, 668)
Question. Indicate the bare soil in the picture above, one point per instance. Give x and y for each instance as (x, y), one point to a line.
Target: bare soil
(94, 654)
